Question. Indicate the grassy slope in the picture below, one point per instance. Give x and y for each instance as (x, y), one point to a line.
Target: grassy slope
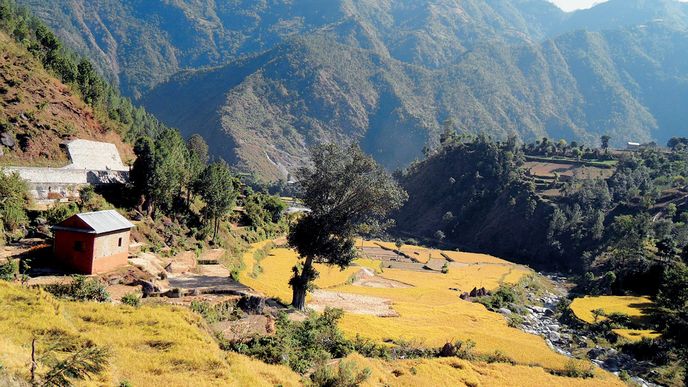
(429, 314)
(152, 345)
(34, 103)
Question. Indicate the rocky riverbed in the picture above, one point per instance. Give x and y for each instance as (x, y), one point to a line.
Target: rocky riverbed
(544, 320)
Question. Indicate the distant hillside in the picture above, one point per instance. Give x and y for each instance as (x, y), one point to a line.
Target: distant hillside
(140, 43)
(388, 73)
(39, 112)
(581, 85)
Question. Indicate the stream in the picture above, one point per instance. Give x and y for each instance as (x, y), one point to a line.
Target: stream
(544, 321)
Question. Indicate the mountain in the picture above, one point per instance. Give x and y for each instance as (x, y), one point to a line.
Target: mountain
(284, 74)
(625, 83)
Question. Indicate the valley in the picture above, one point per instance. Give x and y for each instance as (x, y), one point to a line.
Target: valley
(343, 193)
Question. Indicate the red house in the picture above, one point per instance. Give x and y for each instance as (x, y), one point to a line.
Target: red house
(93, 242)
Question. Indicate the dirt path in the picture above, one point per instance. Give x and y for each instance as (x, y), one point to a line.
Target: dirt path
(352, 303)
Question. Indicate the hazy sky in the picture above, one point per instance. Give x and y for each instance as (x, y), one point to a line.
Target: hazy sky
(570, 5)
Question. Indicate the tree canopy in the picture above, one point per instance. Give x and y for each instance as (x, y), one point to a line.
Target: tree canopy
(347, 192)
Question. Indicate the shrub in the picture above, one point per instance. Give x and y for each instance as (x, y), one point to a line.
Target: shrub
(503, 297)
(9, 270)
(81, 289)
(300, 344)
(346, 374)
(576, 369)
(224, 311)
(60, 212)
(445, 268)
(132, 299)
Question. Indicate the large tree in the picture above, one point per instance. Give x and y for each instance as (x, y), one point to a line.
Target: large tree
(347, 192)
(218, 188)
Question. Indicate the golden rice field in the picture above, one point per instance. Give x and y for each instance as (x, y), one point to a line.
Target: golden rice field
(150, 345)
(277, 269)
(430, 312)
(636, 334)
(424, 254)
(632, 306)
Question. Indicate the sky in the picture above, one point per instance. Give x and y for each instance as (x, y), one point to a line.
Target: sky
(570, 5)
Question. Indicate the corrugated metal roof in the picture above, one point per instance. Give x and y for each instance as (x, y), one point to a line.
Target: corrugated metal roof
(103, 221)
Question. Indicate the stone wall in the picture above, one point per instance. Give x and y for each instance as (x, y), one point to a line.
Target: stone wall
(95, 163)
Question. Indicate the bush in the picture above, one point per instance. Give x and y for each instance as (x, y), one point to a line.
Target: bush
(300, 344)
(224, 311)
(132, 299)
(576, 369)
(81, 289)
(9, 270)
(501, 298)
(60, 212)
(346, 374)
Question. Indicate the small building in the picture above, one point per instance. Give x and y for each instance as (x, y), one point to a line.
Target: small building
(632, 145)
(93, 242)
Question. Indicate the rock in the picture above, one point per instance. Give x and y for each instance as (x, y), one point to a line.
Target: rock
(448, 350)
(7, 140)
(549, 312)
(596, 353)
(464, 296)
(147, 287)
(553, 327)
(539, 309)
(554, 336)
(252, 304)
(504, 311)
(612, 364)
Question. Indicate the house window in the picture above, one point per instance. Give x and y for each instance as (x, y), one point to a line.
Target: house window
(78, 246)
(119, 242)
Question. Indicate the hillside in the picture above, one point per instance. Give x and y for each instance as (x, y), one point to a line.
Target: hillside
(162, 344)
(39, 112)
(388, 74)
(578, 86)
(205, 33)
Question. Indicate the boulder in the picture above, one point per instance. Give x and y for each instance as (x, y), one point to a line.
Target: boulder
(448, 350)
(252, 304)
(7, 140)
(596, 353)
(504, 311)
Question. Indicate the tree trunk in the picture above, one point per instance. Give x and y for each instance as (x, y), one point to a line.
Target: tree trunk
(216, 226)
(300, 283)
(34, 365)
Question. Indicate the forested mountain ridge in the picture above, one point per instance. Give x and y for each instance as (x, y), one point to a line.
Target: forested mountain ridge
(388, 74)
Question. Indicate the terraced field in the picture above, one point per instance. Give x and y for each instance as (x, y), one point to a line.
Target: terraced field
(151, 345)
(428, 308)
(635, 307)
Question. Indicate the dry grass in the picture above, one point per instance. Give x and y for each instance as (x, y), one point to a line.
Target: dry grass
(629, 305)
(151, 345)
